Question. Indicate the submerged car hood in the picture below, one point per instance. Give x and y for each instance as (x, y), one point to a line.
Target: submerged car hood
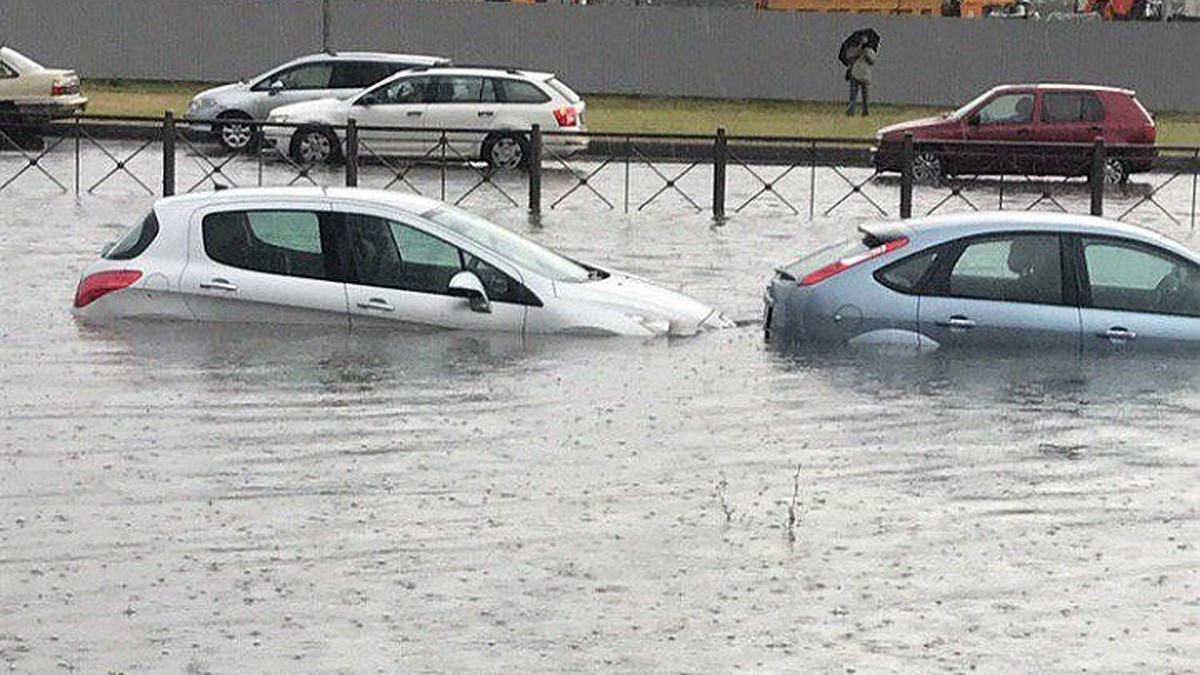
(917, 125)
(633, 296)
(318, 108)
(222, 89)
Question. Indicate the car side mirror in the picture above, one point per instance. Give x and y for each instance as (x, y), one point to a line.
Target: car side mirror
(369, 99)
(973, 120)
(466, 285)
(275, 88)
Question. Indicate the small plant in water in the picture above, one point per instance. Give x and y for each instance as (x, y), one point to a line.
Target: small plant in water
(792, 518)
(719, 491)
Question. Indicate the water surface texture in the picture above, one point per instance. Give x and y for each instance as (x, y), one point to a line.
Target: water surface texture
(224, 499)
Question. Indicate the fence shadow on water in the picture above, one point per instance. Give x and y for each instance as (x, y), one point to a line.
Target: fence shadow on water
(718, 174)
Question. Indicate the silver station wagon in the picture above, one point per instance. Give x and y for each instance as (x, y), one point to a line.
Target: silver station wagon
(358, 258)
(1003, 280)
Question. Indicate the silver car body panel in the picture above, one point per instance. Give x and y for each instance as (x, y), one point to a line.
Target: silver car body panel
(852, 307)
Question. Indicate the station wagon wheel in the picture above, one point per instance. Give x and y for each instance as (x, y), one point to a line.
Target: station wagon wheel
(506, 151)
(235, 132)
(1115, 171)
(313, 145)
(927, 167)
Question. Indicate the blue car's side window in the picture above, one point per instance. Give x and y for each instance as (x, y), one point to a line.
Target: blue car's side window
(1129, 277)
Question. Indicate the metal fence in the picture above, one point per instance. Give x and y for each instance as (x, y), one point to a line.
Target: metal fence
(718, 174)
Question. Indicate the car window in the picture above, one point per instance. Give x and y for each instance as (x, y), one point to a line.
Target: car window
(136, 240)
(403, 90)
(1017, 268)
(907, 274)
(1129, 277)
(1063, 107)
(304, 76)
(455, 89)
(5, 71)
(1007, 109)
(357, 74)
(563, 90)
(273, 241)
(520, 91)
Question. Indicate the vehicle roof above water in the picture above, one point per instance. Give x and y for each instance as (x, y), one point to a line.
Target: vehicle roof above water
(410, 203)
(1063, 86)
(370, 56)
(935, 229)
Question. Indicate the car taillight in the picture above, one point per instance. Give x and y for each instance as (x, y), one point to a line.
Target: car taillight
(100, 284)
(844, 264)
(566, 116)
(64, 87)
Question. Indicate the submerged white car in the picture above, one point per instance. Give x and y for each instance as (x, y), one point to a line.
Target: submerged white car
(357, 258)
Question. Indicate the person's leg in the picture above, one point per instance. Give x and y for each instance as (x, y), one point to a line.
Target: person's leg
(865, 87)
(853, 96)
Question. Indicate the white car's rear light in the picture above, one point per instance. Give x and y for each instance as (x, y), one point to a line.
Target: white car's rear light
(97, 285)
(566, 116)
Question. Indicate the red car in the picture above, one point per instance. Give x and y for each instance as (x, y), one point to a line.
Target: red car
(1027, 129)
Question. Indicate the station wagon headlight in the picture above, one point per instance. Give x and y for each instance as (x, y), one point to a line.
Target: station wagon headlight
(277, 118)
(199, 104)
(656, 325)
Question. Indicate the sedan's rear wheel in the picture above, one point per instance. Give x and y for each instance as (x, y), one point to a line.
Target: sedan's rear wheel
(506, 151)
(1115, 171)
(314, 145)
(235, 132)
(927, 167)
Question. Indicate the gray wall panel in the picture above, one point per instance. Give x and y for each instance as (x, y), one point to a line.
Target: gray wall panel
(708, 52)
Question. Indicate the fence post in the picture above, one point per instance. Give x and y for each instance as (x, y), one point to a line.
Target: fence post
(720, 161)
(168, 175)
(906, 177)
(535, 170)
(1096, 178)
(351, 153)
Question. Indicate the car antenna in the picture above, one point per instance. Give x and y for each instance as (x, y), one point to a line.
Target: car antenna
(219, 186)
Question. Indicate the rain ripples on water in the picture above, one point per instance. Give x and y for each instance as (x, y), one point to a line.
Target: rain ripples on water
(196, 499)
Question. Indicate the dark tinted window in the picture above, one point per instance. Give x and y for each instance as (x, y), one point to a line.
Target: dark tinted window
(455, 89)
(278, 242)
(403, 90)
(303, 76)
(133, 242)
(1059, 107)
(907, 274)
(5, 71)
(394, 255)
(1018, 268)
(357, 74)
(520, 91)
(1129, 277)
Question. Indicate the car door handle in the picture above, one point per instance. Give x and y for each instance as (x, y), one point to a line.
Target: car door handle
(414, 113)
(1118, 334)
(218, 284)
(958, 322)
(377, 305)
(485, 113)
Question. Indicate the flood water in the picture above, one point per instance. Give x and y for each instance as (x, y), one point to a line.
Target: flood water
(199, 499)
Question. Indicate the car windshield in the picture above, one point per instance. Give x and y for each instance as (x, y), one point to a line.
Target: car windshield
(20, 62)
(962, 112)
(511, 246)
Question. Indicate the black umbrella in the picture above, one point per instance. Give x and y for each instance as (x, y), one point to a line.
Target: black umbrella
(852, 43)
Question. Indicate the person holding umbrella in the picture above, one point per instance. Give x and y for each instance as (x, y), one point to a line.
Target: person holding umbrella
(858, 54)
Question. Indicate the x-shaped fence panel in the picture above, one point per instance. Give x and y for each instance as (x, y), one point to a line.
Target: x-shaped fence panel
(644, 173)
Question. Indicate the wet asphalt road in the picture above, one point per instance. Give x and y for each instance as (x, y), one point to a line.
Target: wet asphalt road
(199, 499)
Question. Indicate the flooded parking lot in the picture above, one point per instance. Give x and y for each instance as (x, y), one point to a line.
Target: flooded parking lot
(202, 499)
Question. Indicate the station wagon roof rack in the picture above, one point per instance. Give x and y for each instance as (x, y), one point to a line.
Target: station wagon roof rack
(483, 66)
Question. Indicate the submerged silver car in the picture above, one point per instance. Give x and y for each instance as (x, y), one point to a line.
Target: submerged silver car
(994, 280)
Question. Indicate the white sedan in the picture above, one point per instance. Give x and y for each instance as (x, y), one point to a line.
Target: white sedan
(353, 257)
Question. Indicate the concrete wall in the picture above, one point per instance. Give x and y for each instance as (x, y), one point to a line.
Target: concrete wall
(708, 52)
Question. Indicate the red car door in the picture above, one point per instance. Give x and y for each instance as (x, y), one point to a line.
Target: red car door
(1002, 131)
(1070, 121)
